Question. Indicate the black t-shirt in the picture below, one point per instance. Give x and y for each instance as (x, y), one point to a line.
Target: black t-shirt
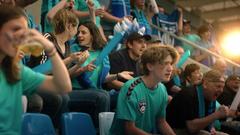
(35, 61)
(226, 98)
(121, 61)
(184, 107)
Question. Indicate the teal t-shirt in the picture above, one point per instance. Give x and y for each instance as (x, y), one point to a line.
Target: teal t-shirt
(143, 106)
(11, 99)
(190, 37)
(82, 6)
(46, 6)
(94, 78)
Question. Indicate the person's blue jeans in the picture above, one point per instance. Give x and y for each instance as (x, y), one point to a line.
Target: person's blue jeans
(92, 101)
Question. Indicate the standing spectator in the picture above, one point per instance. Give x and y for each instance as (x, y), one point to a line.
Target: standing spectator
(200, 56)
(138, 13)
(46, 6)
(171, 23)
(188, 35)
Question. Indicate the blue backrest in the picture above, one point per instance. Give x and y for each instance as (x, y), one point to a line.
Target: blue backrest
(37, 124)
(76, 123)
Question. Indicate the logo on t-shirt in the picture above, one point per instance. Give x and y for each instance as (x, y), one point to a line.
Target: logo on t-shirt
(142, 106)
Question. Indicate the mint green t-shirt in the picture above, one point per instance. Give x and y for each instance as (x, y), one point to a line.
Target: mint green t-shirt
(190, 37)
(46, 6)
(141, 105)
(82, 6)
(94, 78)
(11, 99)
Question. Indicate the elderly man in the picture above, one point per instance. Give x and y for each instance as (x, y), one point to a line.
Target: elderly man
(193, 110)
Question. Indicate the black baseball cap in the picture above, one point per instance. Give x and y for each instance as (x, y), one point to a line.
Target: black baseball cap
(136, 36)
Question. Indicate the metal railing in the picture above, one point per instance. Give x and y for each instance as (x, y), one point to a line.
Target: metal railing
(197, 46)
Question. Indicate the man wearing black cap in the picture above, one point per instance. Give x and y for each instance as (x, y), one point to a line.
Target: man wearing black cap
(126, 59)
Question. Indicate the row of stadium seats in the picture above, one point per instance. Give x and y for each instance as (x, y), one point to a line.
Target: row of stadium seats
(73, 123)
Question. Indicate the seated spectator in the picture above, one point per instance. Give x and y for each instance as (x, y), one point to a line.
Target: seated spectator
(220, 65)
(231, 88)
(192, 75)
(65, 27)
(20, 80)
(126, 59)
(31, 20)
(174, 84)
(154, 41)
(193, 110)
(87, 81)
(142, 101)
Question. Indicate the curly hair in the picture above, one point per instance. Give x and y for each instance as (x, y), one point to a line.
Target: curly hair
(157, 54)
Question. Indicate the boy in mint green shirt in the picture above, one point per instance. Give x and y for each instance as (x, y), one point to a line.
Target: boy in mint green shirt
(142, 101)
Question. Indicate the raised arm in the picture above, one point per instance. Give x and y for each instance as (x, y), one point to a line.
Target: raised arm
(62, 4)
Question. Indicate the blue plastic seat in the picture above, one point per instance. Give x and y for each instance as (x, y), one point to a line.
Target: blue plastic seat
(76, 123)
(37, 124)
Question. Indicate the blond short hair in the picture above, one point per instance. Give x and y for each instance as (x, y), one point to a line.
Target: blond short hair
(62, 18)
(213, 76)
(157, 54)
